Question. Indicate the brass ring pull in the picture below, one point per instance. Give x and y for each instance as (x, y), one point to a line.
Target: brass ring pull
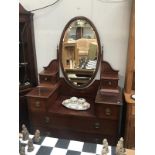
(37, 104)
(110, 83)
(47, 119)
(48, 133)
(45, 78)
(97, 125)
(108, 111)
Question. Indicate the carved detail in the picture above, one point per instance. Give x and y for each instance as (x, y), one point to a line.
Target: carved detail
(50, 74)
(106, 70)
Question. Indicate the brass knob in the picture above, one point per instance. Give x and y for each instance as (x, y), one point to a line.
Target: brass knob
(37, 104)
(45, 78)
(48, 133)
(108, 111)
(47, 119)
(97, 125)
(110, 83)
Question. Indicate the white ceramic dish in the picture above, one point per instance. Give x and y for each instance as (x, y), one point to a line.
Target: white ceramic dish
(76, 104)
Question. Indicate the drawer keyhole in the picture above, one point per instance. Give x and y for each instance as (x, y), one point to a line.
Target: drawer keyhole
(45, 78)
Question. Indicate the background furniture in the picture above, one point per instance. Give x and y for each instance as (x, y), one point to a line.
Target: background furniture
(27, 62)
(129, 86)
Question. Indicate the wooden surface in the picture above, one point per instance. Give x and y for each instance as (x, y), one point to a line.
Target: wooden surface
(131, 53)
(129, 85)
(128, 98)
(130, 121)
(130, 152)
(27, 56)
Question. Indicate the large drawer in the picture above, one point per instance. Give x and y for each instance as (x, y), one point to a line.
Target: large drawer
(38, 118)
(109, 127)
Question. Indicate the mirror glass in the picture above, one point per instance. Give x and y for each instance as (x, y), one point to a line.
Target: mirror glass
(80, 52)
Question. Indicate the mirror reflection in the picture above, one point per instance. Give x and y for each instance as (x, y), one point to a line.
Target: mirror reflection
(79, 52)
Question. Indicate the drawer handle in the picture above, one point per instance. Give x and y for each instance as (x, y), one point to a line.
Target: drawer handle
(108, 111)
(37, 104)
(48, 133)
(97, 125)
(47, 119)
(110, 83)
(45, 78)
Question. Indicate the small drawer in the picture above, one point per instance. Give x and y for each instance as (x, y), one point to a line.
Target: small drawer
(44, 78)
(107, 111)
(109, 83)
(37, 104)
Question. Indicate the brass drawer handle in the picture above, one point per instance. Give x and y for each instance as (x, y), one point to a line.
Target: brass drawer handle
(45, 78)
(110, 83)
(37, 104)
(97, 125)
(48, 133)
(108, 111)
(47, 119)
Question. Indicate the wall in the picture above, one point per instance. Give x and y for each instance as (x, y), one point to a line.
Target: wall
(110, 18)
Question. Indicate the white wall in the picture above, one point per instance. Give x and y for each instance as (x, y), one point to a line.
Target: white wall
(110, 18)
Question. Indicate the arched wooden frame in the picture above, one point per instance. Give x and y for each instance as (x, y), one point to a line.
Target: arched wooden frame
(61, 50)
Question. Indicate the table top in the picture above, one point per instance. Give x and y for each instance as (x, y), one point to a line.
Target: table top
(55, 146)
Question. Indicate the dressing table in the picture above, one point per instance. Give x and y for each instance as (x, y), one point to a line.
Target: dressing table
(101, 120)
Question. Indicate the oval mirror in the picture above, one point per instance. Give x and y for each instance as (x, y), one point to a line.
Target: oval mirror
(79, 52)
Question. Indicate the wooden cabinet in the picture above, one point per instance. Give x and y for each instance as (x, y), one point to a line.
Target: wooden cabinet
(102, 120)
(27, 62)
(130, 121)
(129, 86)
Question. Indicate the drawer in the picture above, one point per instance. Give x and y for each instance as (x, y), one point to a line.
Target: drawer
(48, 78)
(107, 111)
(37, 104)
(109, 127)
(39, 118)
(45, 78)
(109, 83)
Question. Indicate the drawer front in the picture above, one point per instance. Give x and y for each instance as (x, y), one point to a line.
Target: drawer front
(39, 118)
(107, 111)
(110, 83)
(85, 125)
(45, 79)
(48, 79)
(37, 104)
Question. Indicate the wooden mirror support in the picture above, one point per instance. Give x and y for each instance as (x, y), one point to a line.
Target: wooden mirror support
(101, 120)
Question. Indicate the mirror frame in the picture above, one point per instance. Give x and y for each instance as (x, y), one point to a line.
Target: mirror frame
(61, 50)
